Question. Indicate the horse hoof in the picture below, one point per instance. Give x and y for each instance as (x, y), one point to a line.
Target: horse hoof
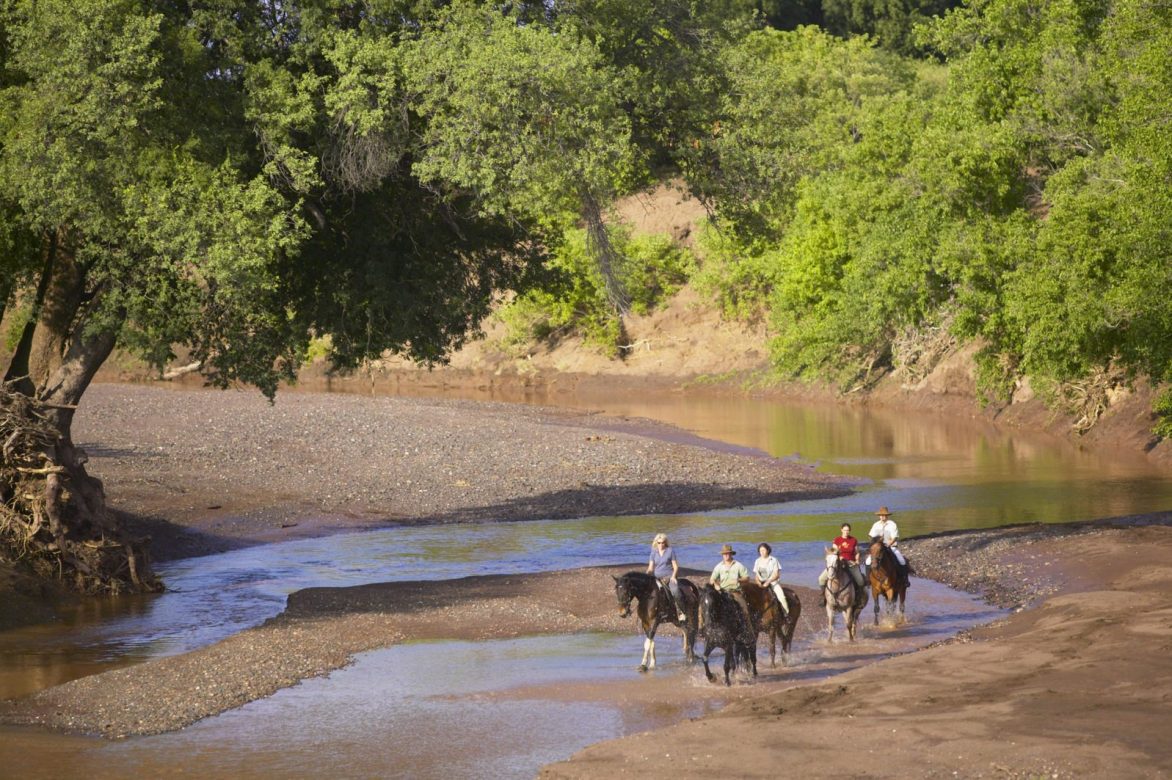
(642, 667)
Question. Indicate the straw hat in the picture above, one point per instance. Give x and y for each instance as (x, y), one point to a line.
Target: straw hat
(884, 512)
(727, 549)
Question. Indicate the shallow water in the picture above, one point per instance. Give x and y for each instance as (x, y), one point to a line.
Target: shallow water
(467, 709)
(936, 474)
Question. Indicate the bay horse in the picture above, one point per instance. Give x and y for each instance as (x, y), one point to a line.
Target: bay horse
(769, 617)
(724, 627)
(886, 580)
(842, 595)
(655, 608)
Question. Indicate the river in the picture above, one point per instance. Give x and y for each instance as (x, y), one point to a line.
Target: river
(502, 709)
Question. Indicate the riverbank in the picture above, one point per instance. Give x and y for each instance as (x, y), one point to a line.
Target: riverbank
(1079, 686)
(206, 471)
(1040, 678)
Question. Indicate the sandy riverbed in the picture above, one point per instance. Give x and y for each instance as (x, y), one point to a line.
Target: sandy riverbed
(1079, 684)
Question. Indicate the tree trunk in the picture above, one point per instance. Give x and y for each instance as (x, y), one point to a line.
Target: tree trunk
(605, 255)
(55, 516)
(59, 303)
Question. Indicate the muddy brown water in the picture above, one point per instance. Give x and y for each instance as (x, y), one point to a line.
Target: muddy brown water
(502, 709)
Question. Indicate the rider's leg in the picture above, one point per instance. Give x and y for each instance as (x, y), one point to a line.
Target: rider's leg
(781, 597)
(856, 575)
(674, 587)
(739, 598)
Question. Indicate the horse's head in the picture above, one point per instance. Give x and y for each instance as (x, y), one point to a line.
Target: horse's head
(622, 592)
(709, 604)
(877, 549)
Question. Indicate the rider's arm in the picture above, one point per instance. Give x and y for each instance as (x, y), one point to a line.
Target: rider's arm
(650, 566)
(675, 568)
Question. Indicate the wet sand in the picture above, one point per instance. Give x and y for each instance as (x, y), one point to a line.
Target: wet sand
(1079, 685)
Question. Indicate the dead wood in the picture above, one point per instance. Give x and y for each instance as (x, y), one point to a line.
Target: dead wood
(53, 515)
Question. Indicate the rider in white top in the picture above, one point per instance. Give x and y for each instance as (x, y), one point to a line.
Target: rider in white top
(768, 573)
(886, 528)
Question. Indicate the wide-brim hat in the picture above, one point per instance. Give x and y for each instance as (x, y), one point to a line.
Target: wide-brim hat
(884, 512)
(727, 549)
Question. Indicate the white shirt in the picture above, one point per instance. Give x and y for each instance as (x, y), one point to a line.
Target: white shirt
(765, 568)
(887, 529)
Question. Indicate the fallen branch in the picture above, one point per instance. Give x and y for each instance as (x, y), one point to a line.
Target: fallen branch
(175, 373)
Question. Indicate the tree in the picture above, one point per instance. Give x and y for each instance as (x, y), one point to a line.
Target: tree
(234, 178)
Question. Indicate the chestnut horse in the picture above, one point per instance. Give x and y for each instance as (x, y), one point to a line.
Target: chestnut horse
(769, 617)
(886, 580)
(724, 627)
(655, 608)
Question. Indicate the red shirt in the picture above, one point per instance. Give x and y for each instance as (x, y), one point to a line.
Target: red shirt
(846, 547)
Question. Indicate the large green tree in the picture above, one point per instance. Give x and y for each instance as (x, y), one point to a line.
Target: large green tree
(236, 177)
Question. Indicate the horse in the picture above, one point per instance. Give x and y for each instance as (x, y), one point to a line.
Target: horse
(769, 617)
(886, 580)
(724, 627)
(655, 608)
(842, 595)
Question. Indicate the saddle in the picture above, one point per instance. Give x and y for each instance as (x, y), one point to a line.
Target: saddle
(665, 591)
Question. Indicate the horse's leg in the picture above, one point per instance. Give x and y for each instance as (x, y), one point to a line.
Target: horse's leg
(730, 652)
(829, 619)
(646, 652)
(875, 593)
(707, 652)
(651, 643)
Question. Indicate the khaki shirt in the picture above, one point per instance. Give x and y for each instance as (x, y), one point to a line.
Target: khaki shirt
(728, 577)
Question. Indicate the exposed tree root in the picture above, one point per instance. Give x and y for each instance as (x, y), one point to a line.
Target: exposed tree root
(53, 515)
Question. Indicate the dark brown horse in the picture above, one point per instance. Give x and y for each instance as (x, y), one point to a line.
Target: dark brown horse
(655, 608)
(886, 579)
(769, 617)
(724, 627)
(842, 595)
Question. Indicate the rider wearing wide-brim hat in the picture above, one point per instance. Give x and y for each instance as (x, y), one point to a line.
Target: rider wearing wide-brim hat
(728, 576)
(885, 530)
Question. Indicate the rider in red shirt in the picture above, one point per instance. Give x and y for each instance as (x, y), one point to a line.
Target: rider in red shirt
(847, 548)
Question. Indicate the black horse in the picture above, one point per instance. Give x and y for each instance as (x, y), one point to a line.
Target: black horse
(655, 607)
(723, 626)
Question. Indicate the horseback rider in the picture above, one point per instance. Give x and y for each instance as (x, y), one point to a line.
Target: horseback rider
(666, 568)
(768, 573)
(727, 576)
(886, 531)
(844, 548)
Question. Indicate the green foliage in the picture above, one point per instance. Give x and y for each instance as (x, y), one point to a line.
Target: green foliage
(1162, 406)
(890, 22)
(526, 119)
(795, 101)
(574, 301)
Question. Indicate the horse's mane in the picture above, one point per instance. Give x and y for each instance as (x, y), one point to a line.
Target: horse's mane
(639, 576)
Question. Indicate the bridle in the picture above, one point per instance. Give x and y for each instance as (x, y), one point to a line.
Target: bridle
(834, 583)
(623, 592)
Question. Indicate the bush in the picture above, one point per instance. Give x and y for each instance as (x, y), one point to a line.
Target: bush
(574, 302)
